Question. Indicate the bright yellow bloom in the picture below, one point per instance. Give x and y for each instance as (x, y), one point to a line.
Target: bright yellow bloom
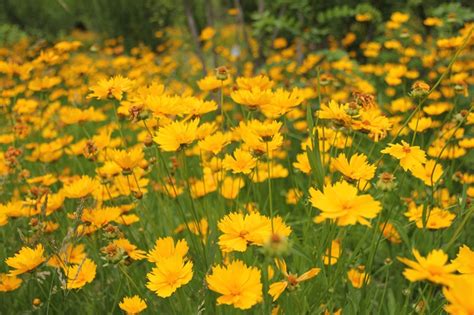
(429, 173)
(340, 202)
(132, 305)
(302, 163)
(9, 283)
(210, 83)
(165, 248)
(459, 294)
(420, 124)
(253, 98)
(132, 251)
(81, 187)
(335, 111)
(207, 33)
(436, 218)
(240, 231)
(113, 87)
(465, 260)
(390, 233)
(332, 254)
(81, 274)
(260, 81)
(238, 284)
(356, 168)
(409, 156)
(70, 254)
(241, 162)
(214, 143)
(358, 277)
(291, 280)
(169, 274)
(434, 267)
(128, 159)
(231, 187)
(177, 135)
(26, 260)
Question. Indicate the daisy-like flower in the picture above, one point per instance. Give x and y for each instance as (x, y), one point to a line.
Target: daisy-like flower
(356, 168)
(169, 274)
(214, 143)
(176, 135)
(9, 283)
(409, 156)
(291, 281)
(80, 275)
(81, 187)
(26, 260)
(433, 267)
(459, 295)
(253, 98)
(465, 260)
(238, 284)
(332, 254)
(165, 248)
(241, 162)
(341, 202)
(241, 231)
(358, 277)
(111, 88)
(429, 173)
(132, 305)
(128, 160)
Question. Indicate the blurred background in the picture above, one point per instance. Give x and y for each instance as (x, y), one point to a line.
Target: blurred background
(140, 21)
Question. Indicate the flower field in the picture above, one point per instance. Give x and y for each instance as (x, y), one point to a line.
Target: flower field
(202, 177)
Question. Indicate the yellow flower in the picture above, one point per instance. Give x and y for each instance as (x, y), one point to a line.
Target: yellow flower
(241, 162)
(261, 81)
(465, 260)
(429, 173)
(132, 305)
(291, 280)
(130, 249)
(332, 254)
(9, 283)
(335, 111)
(70, 254)
(81, 274)
(390, 233)
(238, 284)
(207, 33)
(169, 274)
(240, 231)
(230, 187)
(436, 218)
(128, 160)
(177, 135)
(253, 98)
(302, 163)
(420, 124)
(340, 202)
(358, 277)
(356, 168)
(81, 187)
(409, 156)
(210, 83)
(165, 248)
(432, 268)
(214, 143)
(459, 294)
(113, 87)
(26, 260)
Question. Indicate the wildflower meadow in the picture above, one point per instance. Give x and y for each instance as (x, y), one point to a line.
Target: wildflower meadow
(234, 157)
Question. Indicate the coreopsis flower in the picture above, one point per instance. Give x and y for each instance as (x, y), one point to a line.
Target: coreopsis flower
(459, 294)
(211, 83)
(433, 268)
(111, 88)
(165, 247)
(282, 102)
(276, 243)
(132, 251)
(69, 254)
(409, 156)
(390, 233)
(100, 217)
(260, 81)
(356, 168)
(336, 112)
(81, 274)
(241, 162)
(169, 274)
(420, 124)
(372, 122)
(26, 260)
(253, 98)
(302, 163)
(240, 230)
(291, 281)
(230, 187)
(214, 143)
(358, 277)
(9, 283)
(332, 254)
(176, 135)
(340, 202)
(132, 305)
(207, 33)
(128, 159)
(429, 173)
(435, 218)
(465, 260)
(81, 187)
(238, 284)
